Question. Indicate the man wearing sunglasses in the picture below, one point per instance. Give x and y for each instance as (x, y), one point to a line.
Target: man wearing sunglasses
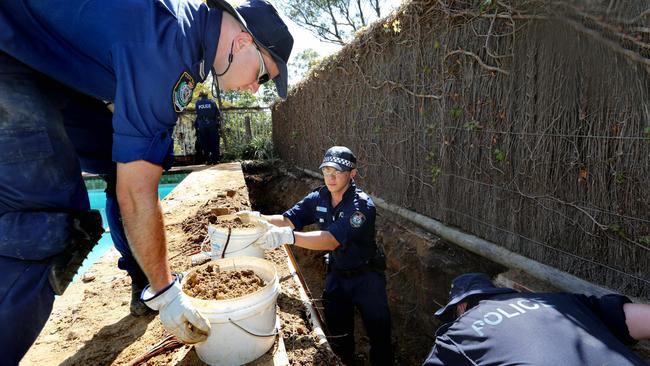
(346, 219)
(60, 62)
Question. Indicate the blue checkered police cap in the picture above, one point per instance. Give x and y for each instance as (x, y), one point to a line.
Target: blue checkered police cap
(339, 157)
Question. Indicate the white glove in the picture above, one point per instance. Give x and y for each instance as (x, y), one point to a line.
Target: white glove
(177, 314)
(276, 236)
(248, 216)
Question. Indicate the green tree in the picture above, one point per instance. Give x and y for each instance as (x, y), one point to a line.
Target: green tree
(200, 87)
(264, 97)
(302, 63)
(268, 94)
(334, 21)
(239, 99)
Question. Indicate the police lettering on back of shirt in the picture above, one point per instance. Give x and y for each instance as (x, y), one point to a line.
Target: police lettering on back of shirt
(506, 311)
(513, 329)
(206, 108)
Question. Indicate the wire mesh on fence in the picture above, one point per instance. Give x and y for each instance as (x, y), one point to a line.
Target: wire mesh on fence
(526, 123)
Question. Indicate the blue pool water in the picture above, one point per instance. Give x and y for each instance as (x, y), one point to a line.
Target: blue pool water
(98, 201)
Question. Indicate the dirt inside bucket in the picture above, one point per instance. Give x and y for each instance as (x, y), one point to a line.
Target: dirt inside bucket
(209, 282)
(233, 223)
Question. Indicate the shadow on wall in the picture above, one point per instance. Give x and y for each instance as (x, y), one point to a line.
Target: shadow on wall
(420, 266)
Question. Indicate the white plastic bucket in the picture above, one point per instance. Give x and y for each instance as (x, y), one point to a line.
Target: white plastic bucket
(240, 242)
(244, 328)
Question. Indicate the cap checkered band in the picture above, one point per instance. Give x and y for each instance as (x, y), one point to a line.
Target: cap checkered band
(339, 161)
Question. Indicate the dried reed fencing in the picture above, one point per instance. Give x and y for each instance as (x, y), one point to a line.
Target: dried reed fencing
(526, 123)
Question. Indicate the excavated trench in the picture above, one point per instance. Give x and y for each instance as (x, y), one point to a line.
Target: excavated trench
(90, 324)
(420, 266)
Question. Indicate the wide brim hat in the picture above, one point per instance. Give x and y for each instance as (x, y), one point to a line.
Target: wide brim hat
(268, 31)
(467, 286)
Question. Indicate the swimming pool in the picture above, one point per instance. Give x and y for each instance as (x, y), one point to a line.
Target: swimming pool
(98, 201)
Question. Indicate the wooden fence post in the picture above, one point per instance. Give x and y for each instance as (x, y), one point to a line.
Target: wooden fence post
(247, 125)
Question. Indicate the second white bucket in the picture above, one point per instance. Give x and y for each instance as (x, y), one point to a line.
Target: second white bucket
(240, 242)
(244, 328)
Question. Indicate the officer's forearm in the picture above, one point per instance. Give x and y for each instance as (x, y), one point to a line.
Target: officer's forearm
(278, 220)
(637, 318)
(146, 235)
(143, 221)
(316, 240)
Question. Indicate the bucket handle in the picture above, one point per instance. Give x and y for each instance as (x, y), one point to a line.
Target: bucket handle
(225, 248)
(240, 249)
(275, 330)
(223, 254)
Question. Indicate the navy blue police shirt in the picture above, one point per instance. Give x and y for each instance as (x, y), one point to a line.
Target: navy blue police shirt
(351, 222)
(537, 329)
(145, 56)
(206, 108)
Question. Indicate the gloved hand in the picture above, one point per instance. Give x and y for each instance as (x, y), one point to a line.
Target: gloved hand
(248, 216)
(177, 314)
(276, 236)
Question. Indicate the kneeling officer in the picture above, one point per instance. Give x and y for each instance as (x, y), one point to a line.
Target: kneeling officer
(490, 325)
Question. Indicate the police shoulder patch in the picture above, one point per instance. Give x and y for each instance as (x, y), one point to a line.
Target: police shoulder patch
(357, 219)
(182, 93)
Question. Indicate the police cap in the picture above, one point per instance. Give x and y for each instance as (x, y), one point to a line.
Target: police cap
(339, 157)
(465, 286)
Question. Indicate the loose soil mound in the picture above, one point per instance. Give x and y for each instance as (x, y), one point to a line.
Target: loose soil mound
(210, 283)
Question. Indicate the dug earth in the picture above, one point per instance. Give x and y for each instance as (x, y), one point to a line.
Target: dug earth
(208, 282)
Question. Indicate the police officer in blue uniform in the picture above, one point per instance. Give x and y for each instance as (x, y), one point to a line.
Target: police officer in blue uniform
(59, 62)
(488, 325)
(355, 279)
(207, 127)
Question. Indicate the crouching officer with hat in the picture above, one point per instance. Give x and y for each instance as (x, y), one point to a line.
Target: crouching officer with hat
(488, 325)
(60, 61)
(346, 218)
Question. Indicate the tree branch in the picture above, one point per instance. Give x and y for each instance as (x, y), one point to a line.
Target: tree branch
(319, 30)
(478, 59)
(363, 20)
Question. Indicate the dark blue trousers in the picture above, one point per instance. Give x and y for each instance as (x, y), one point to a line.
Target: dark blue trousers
(47, 134)
(40, 181)
(207, 131)
(366, 292)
